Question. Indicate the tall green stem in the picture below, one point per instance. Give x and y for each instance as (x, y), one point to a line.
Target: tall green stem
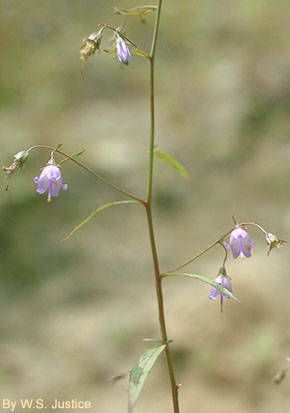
(158, 278)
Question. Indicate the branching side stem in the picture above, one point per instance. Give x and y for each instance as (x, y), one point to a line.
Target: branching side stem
(213, 244)
(90, 171)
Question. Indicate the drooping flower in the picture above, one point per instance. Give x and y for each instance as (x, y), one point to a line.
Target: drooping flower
(123, 51)
(240, 243)
(224, 281)
(50, 180)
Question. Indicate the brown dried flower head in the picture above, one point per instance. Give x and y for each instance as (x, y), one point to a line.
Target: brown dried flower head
(90, 45)
(273, 241)
(19, 159)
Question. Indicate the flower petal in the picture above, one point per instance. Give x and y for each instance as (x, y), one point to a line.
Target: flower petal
(246, 246)
(235, 248)
(42, 185)
(214, 292)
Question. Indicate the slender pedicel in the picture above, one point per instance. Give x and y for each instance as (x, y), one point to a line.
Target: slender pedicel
(89, 170)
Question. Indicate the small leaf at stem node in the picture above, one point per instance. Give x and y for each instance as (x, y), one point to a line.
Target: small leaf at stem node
(172, 162)
(139, 373)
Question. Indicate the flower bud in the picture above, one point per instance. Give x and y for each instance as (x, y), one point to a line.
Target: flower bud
(123, 51)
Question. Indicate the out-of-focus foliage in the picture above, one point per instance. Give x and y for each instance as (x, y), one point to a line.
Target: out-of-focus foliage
(74, 314)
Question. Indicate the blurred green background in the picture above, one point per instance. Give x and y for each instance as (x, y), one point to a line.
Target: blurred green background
(74, 314)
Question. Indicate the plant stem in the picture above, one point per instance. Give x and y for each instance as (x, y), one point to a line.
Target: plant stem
(199, 254)
(226, 254)
(120, 33)
(90, 171)
(162, 322)
(245, 224)
(158, 278)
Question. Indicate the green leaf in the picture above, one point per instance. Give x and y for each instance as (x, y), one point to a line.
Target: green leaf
(177, 166)
(139, 52)
(94, 213)
(152, 340)
(74, 155)
(139, 373)
(79, 153)
(111, 53)
(204, 279)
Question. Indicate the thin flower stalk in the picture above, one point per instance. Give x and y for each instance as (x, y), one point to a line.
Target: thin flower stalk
(89, 170)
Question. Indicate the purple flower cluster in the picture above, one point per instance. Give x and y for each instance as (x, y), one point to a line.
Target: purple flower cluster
(240, 244)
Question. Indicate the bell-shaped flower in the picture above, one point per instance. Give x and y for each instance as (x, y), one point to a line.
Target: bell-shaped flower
(50, 181)
(123, 51)
(240, 243)
(224, 281)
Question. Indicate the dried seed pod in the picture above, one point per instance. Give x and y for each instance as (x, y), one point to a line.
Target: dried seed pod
(19, 159)
(273, 241)
(90, 45)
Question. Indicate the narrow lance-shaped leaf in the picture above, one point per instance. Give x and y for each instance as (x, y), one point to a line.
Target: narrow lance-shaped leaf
(177, 166)
(74, 155)
(139, 52)
(139, 373)
(152, 340)
(94, 213)
(206, 280)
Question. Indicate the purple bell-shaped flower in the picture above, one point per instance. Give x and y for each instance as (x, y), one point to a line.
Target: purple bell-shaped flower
(50, 181)
(240, 243)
